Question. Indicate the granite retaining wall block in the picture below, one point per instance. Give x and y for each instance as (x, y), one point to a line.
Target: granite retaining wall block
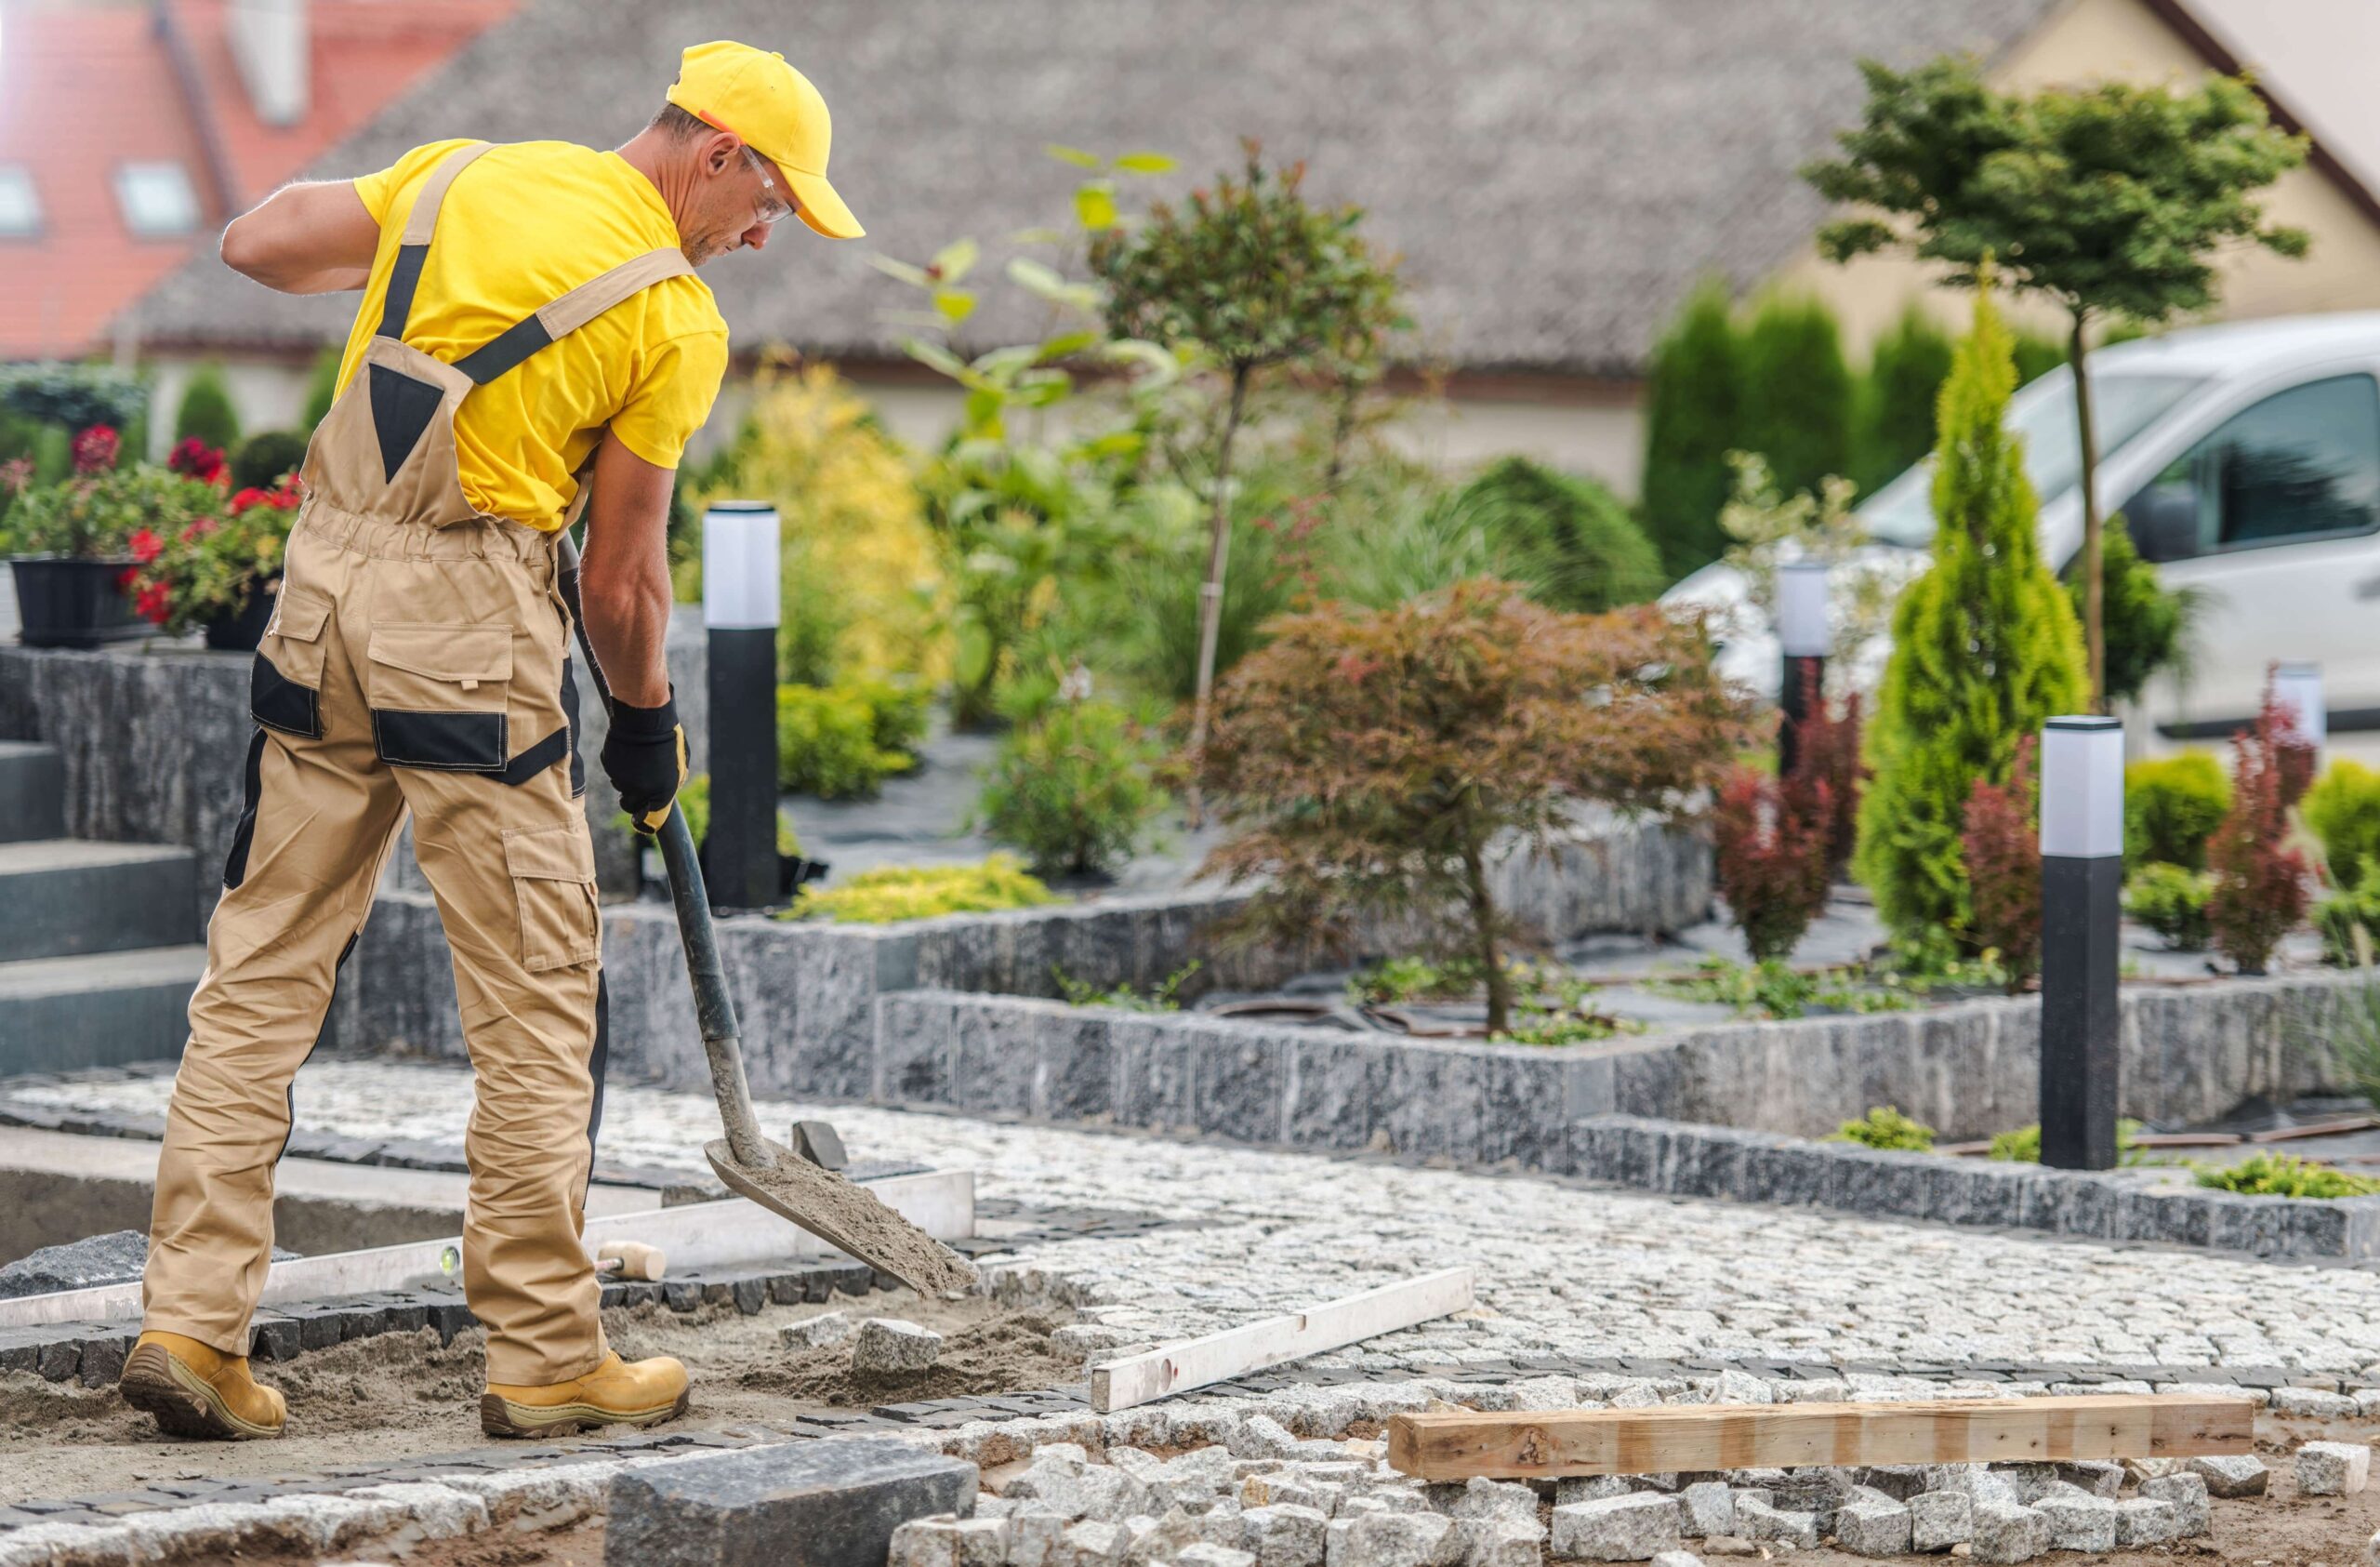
(832, 1502)
(1755, 1167)
(154, 737)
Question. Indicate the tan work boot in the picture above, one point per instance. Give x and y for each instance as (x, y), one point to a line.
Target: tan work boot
(619, 1392)
(194, 1389)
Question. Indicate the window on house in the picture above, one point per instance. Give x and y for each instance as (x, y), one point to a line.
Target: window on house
(157, 199)
(20, 203)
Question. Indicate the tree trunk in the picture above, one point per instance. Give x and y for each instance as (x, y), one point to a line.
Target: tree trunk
(1351, 388)
(1483, 921)
(1211, 594)
(2094, 615)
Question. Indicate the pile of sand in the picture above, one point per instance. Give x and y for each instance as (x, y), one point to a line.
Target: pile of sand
(402, 1395)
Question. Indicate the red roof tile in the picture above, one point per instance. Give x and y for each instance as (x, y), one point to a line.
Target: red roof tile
(85, 89)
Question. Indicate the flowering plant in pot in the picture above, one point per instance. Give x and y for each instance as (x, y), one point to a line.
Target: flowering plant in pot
(70, 543)
(221, 572)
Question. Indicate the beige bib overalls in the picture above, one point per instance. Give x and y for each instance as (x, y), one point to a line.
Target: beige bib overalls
(417, 662)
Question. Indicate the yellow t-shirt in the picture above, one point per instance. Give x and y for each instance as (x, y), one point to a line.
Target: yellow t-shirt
(521, 226)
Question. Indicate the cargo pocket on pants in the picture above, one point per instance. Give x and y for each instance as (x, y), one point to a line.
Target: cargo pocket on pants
(286, 681)
(438, 695)
(553, 883)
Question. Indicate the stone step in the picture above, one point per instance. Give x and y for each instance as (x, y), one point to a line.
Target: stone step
(100, 1010)
(62, 898)
(32, 791)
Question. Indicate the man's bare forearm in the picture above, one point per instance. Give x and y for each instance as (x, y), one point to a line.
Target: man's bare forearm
(624, 575)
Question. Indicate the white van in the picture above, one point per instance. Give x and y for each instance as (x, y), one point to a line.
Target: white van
(2245, 459)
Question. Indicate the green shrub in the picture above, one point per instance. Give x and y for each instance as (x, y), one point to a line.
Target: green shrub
(1165, 996)
(72, 397)
(1073, 789)
(1885, 1127)
(1555, 1027)
(1570, 537)
(1393, 980)
(893, 893)
(2356, 909)
(205, 411)
(2147, 625)
(263, 458)
(1985, 648)
(1905, 376)
(2024, 1145)
(1797, 392)
(2172, 807)
(1692, 420)
(2281, 1175)
(2343, 809)
(2171, 901)
(828, 741)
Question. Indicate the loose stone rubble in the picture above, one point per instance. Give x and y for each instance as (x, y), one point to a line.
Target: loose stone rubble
(2333, 1468)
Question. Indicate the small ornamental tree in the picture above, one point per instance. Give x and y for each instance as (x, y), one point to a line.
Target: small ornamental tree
(2260, 879)
(1365, 760)
(2108, 201)
(1985, 648)
(1251, 276)
(1769, 853)
(2147, 625)
(1692, 420)
(2002, 840)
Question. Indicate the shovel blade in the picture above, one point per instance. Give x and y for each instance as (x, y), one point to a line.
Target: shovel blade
(847, 1217)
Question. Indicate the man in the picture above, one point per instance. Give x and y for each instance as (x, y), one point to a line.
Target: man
(531, 342)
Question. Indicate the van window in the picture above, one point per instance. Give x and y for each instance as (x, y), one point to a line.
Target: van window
(2302, 464)
(2043, 416)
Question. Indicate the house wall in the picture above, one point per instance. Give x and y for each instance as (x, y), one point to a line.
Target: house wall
(2124, 40)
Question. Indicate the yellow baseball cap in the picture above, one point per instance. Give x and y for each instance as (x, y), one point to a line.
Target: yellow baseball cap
(754, 94)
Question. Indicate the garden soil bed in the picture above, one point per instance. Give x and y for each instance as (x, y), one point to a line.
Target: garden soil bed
(401, 1396)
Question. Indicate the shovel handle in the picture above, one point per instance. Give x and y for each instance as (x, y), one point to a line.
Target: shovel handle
(714, 1008)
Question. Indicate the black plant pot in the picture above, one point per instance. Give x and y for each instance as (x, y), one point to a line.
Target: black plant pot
(242, 629)
(74, 603)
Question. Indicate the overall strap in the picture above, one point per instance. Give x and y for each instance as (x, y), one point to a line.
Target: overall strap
(413, 245)
(571, 312)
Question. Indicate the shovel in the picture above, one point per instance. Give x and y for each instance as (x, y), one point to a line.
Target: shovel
(844, 1214)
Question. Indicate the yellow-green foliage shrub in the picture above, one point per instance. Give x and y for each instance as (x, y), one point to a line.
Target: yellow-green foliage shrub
(863, 588)
(1885, 1127)
(898, 892)
(2279, 1174)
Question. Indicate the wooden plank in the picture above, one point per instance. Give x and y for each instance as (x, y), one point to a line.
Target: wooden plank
(1218, 1357)
(2316, 1129)
(696, 1235)
(1545, 1444)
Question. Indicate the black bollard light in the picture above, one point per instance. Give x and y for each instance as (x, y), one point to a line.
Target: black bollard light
(740, 613)
(2082, 905)
(1802, 638)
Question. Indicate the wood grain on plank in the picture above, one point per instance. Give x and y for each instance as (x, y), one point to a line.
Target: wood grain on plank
(1524, 1443)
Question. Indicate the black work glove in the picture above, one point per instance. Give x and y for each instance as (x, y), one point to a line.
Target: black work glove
(644, 756)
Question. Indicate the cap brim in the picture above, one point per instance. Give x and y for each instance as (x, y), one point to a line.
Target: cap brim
(821, 207)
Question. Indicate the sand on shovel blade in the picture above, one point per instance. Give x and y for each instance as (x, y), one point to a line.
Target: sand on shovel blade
(846, 1215)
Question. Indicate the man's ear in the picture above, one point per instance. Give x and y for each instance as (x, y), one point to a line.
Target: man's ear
(721, 151)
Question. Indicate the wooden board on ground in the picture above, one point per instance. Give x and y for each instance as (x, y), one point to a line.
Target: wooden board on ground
(1544, 1443)
(1198, 1362)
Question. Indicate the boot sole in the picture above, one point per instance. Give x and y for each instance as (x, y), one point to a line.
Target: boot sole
(180, 1402)
(500, 1416)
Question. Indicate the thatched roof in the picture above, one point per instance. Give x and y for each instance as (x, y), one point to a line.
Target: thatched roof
(1554, 173)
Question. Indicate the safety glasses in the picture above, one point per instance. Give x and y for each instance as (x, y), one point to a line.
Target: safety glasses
(774, 208)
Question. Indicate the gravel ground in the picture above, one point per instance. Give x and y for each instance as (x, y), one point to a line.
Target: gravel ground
(1562, 1269)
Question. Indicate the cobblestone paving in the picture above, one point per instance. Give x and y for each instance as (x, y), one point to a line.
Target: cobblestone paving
(1563, 1269)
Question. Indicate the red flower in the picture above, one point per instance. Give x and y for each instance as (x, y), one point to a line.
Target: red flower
(94, 450)
(199, 529)
(127, 577)
(146, 546)
(16, 474)
(196, 459)
(243, 500)
(152, 604)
